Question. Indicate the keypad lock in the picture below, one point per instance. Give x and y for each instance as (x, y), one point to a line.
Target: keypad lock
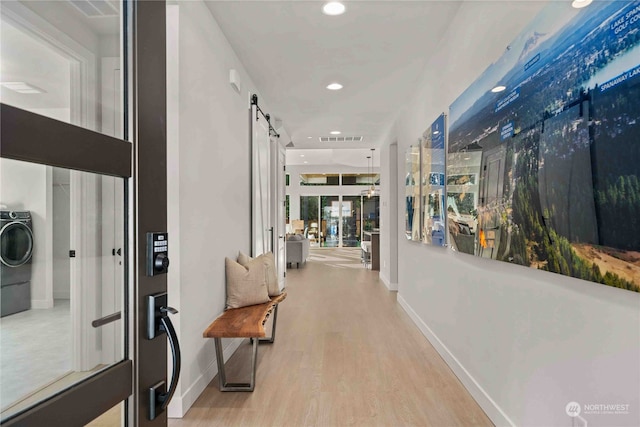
(157, 253)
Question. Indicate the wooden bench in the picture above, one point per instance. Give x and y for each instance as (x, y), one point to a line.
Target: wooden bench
(245, 322)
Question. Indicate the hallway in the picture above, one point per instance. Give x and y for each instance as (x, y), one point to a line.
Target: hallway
(345, 354)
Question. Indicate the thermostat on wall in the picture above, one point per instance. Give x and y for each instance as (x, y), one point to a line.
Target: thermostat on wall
(234, 80)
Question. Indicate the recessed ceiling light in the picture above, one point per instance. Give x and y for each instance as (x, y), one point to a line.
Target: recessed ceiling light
(498, 88)
(579, 4)
(309, 137)
(305, 162)
(333, 8)
(301, 155)
(22, 87)
(335, 132)
(334, 86)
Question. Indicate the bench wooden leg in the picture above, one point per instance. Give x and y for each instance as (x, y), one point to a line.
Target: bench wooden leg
(222, 377)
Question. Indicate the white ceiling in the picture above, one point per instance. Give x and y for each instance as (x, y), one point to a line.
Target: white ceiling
(348, 157)
(26, 60)
(377, 50)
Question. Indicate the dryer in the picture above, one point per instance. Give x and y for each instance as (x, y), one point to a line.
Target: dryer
(16, 250)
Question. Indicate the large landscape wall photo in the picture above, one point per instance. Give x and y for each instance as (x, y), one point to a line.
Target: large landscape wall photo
(546, 173)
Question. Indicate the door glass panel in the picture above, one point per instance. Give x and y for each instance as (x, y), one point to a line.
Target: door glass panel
(351, 221)
(62, 310)
(62, 59)
(330, 224)
(114, 417)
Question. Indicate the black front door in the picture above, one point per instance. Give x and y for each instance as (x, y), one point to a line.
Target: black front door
(83, 150)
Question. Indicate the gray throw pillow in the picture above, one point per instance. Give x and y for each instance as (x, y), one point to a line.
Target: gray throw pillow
(245, 285)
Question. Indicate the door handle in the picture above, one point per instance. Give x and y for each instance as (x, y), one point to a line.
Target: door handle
(158, 321)
(272, 241)
(106, 319)
(166, 325)
(168, 310)
(158, 398)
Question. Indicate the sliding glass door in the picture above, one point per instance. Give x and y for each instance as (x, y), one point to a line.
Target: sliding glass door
(351, 221)
(343, 219)
(330, 223)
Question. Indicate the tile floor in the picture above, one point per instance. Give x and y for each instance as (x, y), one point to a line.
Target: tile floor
(35, 350)
(337, 257)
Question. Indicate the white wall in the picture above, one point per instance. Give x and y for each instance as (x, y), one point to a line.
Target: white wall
(524, 342)
(208, 184)
(61, 233)
(389, 216)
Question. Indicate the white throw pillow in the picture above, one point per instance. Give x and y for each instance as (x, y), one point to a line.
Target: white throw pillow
(245, 285)
(270, 270)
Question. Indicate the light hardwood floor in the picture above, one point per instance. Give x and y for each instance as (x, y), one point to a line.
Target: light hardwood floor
(345, 354)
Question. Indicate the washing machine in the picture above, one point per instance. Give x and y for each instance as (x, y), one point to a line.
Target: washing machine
(16, 250)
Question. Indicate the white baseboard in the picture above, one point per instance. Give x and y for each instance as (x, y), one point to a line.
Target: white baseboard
(41, 304)
(180, 404)
(387, 283)
(490, 407)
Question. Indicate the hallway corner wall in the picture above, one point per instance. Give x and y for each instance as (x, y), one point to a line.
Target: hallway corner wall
(209, 203)
(389, 216)
(524, 342)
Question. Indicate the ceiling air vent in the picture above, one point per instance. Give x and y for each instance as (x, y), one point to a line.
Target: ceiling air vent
(341, 138)
(95, 8)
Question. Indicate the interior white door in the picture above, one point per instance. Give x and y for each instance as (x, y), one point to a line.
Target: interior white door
(112, 284)
(86, 277)
(261, 188)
